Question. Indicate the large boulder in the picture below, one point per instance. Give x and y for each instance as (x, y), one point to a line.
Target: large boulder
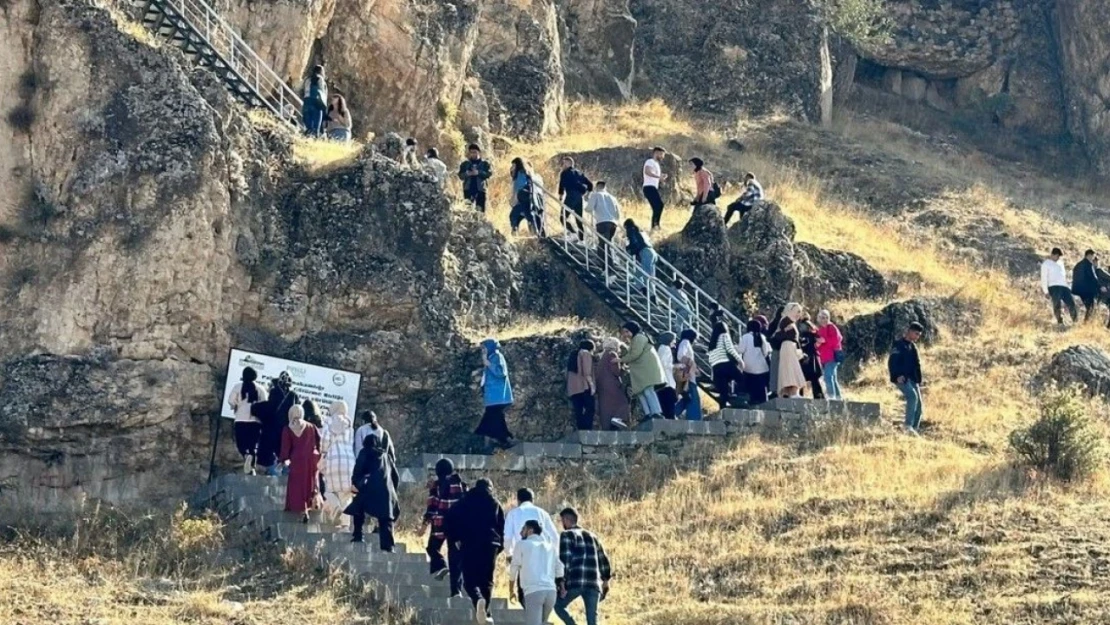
(1085, 53)
(832, 274)
(281, 32)
(1086, 366)
(872, 336)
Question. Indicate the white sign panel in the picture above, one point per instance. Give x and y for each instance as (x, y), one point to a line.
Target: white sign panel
(320, 384)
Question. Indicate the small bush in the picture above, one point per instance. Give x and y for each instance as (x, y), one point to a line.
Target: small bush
(1061, 442)
(22, 118)
(865, 23)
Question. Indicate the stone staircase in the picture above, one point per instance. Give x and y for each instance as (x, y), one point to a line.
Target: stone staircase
(256, 502)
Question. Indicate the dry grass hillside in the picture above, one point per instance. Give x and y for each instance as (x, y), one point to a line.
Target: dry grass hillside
(862, 527)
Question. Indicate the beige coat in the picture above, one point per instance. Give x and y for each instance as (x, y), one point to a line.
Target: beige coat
(790, 367)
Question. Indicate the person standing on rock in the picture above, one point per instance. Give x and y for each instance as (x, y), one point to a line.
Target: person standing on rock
(581, 387)
(476, 525)
(791, 378)
(474, 173)
(639, 248)
(755, 358)
(336, 447)
(607, 214)
(668, 390)
(274, 414)
(1054, 283)
(408, 154)
(686, 377)
(497, 394)
(375, 481)
(523, 209)
(586, 569)
(1085, 284)
(535, 565)
(314, 103)
(904, 366)
(573, 187)
(436, 167)
(753, 192)
(830, 353)
(515, 519)
(248, 427)
(725, 361)
(645, 372)
(612, 398)
(300, 444)
(653, 177)
(339, 119)
(371, 427)
(704, 185)
(444, 491)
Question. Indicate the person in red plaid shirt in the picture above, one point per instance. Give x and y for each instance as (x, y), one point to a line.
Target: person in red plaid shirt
(444, 491)
(586, 569)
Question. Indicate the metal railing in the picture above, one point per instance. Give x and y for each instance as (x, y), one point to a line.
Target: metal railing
(266, 87)
(650, 297)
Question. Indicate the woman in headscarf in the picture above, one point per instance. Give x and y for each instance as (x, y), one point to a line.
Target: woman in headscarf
(497, 394)
(726, 363)
(374, 481)
(667, 392)
(791, 378)
(300, 443)
(337, 447)
(612, 398)
(771, 333)
(755, 351)
(248, 427)
(686, 377)
(312, 415)
(811, 364)
(645, 372)
(274, 414)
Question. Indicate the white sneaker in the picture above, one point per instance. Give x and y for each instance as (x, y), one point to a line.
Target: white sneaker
(248, 462)
(480, 611)
(911, 431)
(619, 423)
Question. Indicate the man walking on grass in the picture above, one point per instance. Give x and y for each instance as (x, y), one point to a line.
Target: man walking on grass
(1054, 283)
(904, 367)
(653, 176)
(586, 570)
(1085, 284)
(515, 520)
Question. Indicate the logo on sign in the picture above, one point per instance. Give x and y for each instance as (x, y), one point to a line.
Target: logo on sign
(297, 371)
(252, 362)
(339, 379)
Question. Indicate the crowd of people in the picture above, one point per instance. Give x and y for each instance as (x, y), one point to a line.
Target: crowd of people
(1089, 282)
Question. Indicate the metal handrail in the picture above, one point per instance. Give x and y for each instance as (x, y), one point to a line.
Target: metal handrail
(255, 73)
(699, 304)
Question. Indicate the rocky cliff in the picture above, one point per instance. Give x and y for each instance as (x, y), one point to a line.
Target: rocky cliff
(1084, 40)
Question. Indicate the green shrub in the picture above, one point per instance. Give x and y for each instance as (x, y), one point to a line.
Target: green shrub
(865, 23)
(1062, 442)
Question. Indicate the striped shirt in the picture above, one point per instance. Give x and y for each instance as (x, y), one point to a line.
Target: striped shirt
(722, 351)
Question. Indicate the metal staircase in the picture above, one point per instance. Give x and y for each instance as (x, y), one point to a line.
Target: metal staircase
(620, 282)
(207, 40)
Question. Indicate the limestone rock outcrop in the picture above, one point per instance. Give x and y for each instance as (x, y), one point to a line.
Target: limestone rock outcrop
(599, 41)
(281, 32)
(1085, 54)
(1085, 366)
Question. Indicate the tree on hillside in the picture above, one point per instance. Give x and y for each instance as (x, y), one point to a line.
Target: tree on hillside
(865, 23)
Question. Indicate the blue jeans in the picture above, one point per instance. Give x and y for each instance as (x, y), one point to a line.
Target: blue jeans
(912, 392)
(590, 597)
(649, 402)
(690, 403)
(647, 259)
(313, 118)
(832, 382)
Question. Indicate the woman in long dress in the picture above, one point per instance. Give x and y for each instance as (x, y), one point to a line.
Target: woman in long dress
(337, 448)
(791, 378)
(497, 395)
(300, 444)
(612, 398)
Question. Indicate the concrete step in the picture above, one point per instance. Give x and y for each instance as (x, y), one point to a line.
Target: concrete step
(453, 603)
(452, 616)
(629, 438)
(423, 579)
(478, 462)
(571, 451)
(681, 427)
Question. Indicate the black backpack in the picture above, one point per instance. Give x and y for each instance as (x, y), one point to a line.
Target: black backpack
(572, 362)
(714, 193)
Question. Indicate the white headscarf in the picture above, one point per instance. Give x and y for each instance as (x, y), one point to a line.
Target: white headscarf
(793, 310)
(296, 419)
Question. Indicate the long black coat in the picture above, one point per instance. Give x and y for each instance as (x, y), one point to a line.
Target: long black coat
(376, 478)
(807, 337)
(477, 519)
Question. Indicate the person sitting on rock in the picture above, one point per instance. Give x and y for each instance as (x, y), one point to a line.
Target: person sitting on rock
(339, 119)
(753, 192)
(436, 167)
(707, 190)
(474, 173)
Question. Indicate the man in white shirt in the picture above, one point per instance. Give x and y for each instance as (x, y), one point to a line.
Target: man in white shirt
(535, 567)
(653, 176)
(1054, 283)
(526, 511)
(370, 427)
(607, 214)
(435, 166)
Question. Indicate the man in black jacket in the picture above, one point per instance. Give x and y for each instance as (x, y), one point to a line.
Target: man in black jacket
(474, 172)
(573, 187)
(905, 372)
(1104, 286)
(1084, 283)
(477, 525)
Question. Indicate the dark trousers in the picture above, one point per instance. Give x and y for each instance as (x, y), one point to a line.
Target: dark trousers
(668, 397)
(757, 385)
(1090, 304)
(478, 198)
(453, 563)
(313, 115)
(584, 408)
(606, 230)
(736, 207)
(246, 437)
(479, 562)
(385, 530)
(724, 375)
(1061, 295)
(573, 222)
(651, 194)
